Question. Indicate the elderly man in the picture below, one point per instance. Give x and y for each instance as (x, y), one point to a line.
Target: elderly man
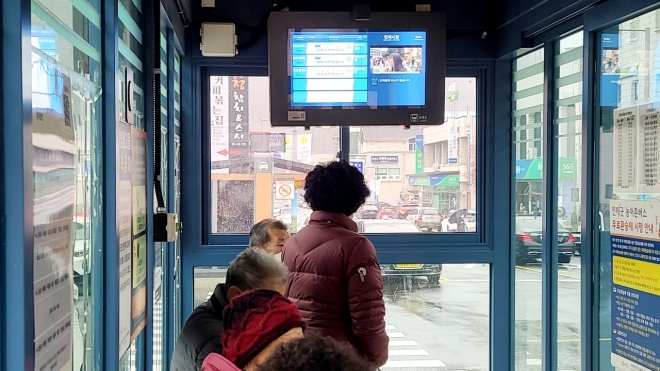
(270, 235)
(252, 269)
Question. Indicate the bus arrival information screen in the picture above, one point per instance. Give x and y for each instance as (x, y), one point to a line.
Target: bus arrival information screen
(358, 69)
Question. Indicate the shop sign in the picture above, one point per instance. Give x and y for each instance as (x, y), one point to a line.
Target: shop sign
(384, 159)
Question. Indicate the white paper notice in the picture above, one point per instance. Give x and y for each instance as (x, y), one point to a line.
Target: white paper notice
(219, 106)
(649, 156)
(124, 218)
(625, 153)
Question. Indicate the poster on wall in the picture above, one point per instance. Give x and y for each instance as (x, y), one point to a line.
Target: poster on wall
(132, 232)
(219, 97)
(625, 150)
(54, 169)
(239, 120)
(635, 240)
(304, 148)
(649, 156)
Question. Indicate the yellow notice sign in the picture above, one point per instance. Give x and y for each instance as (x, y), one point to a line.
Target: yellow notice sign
(636, 274)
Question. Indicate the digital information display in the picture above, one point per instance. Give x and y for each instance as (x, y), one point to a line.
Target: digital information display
(357, 69)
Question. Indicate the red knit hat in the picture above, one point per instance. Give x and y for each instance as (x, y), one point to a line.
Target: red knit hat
(253, 320)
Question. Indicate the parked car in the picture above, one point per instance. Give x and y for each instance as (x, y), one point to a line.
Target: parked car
(393, 274)
(529, 240)
(425, 218)
(81, 249)
(455, 220)
(386, 212)
(367, 212)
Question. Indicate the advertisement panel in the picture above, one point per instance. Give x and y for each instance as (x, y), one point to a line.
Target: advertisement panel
(635, 299)
(419, 154)
(239, 119)
(219, 91)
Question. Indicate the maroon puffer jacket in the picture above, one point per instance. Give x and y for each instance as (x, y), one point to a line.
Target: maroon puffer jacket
(336, 283)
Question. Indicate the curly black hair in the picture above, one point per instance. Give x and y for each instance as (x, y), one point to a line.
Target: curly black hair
(337, 187)
(315, 353)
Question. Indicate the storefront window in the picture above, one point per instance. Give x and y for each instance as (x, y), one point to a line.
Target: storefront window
(626, 229)
(66, 80)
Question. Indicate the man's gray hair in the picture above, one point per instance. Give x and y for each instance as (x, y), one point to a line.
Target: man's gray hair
(259, 235)
(253, 267)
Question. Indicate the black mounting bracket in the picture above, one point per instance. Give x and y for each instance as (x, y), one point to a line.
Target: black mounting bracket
(362, 12)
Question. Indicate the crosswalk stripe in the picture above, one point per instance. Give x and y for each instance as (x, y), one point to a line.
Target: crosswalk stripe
(408, 352)
(414, 364)
(390, 327)
(402, 343)
(396, 335)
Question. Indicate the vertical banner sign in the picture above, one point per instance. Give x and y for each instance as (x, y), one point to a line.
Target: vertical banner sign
(132, 232)
(124, 229)
(139, 216)
(419, 154)
(625, 151)
(239, 124)
(636, 284)
(54, 169)
(452, 143)
(219, 96)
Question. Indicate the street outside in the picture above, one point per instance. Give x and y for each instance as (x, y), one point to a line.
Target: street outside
(446, 326)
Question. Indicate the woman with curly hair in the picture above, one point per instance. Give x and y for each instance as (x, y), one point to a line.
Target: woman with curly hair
(315, 353)
(334, 275)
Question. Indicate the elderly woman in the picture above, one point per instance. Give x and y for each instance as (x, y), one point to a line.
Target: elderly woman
(334, 275)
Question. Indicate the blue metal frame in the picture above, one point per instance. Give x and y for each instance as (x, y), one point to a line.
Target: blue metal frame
(549, 253)
(502, 271)
(108, 318)
(491, 245)
(16, 257)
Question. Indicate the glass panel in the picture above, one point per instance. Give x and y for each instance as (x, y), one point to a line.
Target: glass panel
(131, 58)
(627, 243)
(437, 314)
(568, 129)
(66, 55)
(527, 109)
(440, 172)
(257, 172)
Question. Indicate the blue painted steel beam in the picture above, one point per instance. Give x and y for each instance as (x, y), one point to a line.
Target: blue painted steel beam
(549, 253)
(107, 318)
(501, 216)
(17, 252)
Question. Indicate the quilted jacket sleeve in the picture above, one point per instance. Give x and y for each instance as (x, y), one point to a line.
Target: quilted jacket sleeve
(365, 301)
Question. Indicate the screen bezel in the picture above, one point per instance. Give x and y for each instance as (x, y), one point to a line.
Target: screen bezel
(282, 114)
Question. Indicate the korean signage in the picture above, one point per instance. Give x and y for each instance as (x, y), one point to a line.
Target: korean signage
(452, 143)
(384, 159)
(132, 232)
(219, 98)
(532, 169)
(54, 182)
(419, 154)
(239, 124)
(359, 164)
(635, 299)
